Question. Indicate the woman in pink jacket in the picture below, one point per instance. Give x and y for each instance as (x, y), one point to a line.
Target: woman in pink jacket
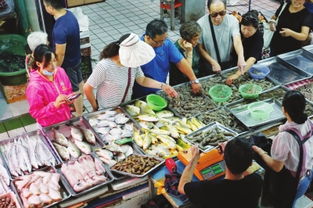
(48, 89)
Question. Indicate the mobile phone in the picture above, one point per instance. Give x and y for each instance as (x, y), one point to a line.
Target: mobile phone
(74, 96)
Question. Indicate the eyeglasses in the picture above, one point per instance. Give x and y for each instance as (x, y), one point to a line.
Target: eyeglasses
(160, 42)
(221, 13)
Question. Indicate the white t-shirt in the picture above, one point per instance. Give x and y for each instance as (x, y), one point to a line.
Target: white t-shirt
(110, 80)
(224, 34)
(286, 149)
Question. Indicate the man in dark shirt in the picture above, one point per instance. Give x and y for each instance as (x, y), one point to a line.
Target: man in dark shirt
(235, 190)
(252, 41)
(66, 41)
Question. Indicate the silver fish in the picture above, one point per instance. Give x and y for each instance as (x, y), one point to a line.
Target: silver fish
(121, 119)
(76, 133)
(60, 138)
(73, 150)
(89, 136)
(83, 146)
(63, 151)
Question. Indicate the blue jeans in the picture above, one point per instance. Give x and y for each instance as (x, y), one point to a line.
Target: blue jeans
(303, 185)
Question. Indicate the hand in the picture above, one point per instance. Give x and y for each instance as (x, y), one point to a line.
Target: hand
(258, 150)
(195, 154)
(216, 67)
(61, 99)
(170, 91)
(196, 88)
(241, 65)
(231, 78)
(186, 46)
(285, 32)
(272, 26)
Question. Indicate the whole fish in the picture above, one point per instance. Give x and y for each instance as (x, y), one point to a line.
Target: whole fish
(43, 154)
(89, 136)
(138, 138)
(76, 133)
(24, 161)
(31, 144)
(63, 151)
(73, 150)
(145, 117)
(132, 110)
(164, 114)
(146, 141)
(83, 146)
(121, 119)
(60, 138)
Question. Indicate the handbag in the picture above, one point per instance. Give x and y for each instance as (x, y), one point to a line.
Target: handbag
(267, 33)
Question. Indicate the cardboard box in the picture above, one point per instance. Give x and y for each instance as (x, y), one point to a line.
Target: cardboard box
(73, 3)
(93, 1)
(14, 93)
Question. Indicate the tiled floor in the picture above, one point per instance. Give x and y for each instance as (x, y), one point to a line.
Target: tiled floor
(113, 18)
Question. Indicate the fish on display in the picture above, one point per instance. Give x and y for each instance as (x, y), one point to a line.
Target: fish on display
(26, 154)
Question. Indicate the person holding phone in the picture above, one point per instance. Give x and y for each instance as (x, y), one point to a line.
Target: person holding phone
(49, 89)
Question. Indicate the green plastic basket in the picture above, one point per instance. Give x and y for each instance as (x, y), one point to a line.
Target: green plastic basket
(13, 44)
(250, 91)
(156, 102)
(260, 110)
(220, 93)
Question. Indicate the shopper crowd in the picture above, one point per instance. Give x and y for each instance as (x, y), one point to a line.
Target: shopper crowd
(134, 66)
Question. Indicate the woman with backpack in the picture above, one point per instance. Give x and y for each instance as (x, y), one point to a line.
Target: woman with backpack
(289, 168)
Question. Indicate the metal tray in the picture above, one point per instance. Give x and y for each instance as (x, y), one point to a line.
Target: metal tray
(101, 137)
(242, 114)
(210, 126)
(299, 59)
(73, 193)
(308, 48)
(64, 191)
(282, 73)
(146, 173)
(64, 128)
(24, 136)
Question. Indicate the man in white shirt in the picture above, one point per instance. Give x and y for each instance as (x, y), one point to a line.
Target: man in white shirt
(226, 29)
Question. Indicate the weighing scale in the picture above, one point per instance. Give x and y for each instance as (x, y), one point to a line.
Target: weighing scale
(211, 164)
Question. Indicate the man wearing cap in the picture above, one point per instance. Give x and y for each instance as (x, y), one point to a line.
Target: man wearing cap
(166, 53)
(118, 68)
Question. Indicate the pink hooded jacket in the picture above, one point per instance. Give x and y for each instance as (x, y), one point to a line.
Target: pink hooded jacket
(41, 94)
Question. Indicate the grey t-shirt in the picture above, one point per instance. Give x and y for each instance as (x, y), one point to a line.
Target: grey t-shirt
(224, 34)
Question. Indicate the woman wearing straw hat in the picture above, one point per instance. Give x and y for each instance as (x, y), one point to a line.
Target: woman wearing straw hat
(115, 74)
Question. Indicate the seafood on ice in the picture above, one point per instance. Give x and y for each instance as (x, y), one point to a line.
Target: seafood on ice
(112, 153)
(25, 154)
(136, 164)
(80, 142)
(84, 172)
(39, 188)
(112, 125)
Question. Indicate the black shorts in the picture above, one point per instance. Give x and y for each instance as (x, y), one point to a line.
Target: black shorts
(75, 76)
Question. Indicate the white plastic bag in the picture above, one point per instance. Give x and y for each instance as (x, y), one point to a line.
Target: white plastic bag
(82, 19)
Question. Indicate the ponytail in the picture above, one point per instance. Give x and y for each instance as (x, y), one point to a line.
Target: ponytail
(112, 49)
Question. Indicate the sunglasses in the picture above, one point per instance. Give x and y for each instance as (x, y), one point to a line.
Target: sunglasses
(221, 13)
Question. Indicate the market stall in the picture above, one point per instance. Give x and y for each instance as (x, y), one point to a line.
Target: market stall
(114, 157)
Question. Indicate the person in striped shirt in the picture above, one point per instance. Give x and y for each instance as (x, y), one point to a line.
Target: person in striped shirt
(118, 69)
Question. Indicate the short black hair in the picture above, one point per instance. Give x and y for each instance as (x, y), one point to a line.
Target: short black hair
(238, 155)
(189, 30)
(56, 4)
(250, 19)
(43, 54)
(156, 27)
(294, 104)
(215, 1)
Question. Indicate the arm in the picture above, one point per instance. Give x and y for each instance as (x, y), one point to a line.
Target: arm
(239, 50)
(88, 90)
(275, 165)
(148, 82)
(38, 108)
(188, 171)
(215, 65)
(60, 53)
(186, 69)
(300, 36)
(235, 76)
